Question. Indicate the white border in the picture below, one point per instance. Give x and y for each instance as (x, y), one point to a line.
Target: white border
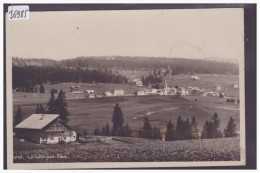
(117, 1)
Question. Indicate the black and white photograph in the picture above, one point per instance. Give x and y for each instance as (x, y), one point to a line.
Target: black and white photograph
(125, 88)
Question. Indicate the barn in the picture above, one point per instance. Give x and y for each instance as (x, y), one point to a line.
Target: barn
(45, 129)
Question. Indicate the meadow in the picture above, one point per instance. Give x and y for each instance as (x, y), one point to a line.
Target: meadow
(86, 114)
(139, 150)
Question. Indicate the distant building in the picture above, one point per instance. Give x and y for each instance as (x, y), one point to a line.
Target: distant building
(153, 91)
(137, 82)
(212, 94)
(217, 87)
(90, 93)
(45, 129)
(108, 93)
(181, 91)
(140, 93)
(172, 91)
(234, 86)
(118, 92)
(195, 78)
(221, 95)
(74, 88)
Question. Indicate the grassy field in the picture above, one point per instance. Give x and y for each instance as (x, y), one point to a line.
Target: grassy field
(86, 114)
(223, 149)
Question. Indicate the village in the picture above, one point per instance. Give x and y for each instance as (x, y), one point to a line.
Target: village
(142, 90)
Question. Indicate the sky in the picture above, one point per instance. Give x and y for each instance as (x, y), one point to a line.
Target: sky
(190, 33)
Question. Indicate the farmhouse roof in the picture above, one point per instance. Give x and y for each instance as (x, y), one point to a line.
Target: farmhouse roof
(37, 121)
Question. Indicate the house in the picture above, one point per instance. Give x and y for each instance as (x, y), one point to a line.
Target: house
(181, 91)
(234, 86)
(212, 94)
(172, 91)
(118, 92)
(74, 88)
(147, 91)
(153, 91)
(90, 94)
(137, 82)
(195, 78)
(108, 93)
(45, 129)
(221, 95)
(140, 93)
(217, 87)
(159, 92)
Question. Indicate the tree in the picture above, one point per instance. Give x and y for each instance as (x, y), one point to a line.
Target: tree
(61, 106)
(169, 135)
(18, 116)
(118, 121)
(85, 132)
(179, 128)
(194, 128)
(127, 131)
(42, 89)
(230, 130)
(96, 131)
(186, 133)
(52, 109)
(147, 129)
(40, 109)
(207, 131)
(215, 123)
(107, 130)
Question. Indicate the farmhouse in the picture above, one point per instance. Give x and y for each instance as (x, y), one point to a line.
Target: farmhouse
(45, 129)
(118, 92)
(90, 93)
(137, 82)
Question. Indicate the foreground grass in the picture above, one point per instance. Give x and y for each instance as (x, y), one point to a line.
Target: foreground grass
(225, 149)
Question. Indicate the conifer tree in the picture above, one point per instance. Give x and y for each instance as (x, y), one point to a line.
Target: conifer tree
(127, 131)
(118, 121)
(96, 131)
(215, 125)
(147, 129)
(169, 135)
(194, 128)
(107, 130)
(187, 130)
(230, 130)
(18, 117)
(61, 106)
(42, 89)
(179, 128)
(39, 109)
(52, 109)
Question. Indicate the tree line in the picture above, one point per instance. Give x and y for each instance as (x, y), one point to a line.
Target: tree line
(178, 65)
(26, 79)
(184, 129)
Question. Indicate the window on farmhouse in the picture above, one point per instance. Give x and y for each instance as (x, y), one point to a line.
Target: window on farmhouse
(51, 138)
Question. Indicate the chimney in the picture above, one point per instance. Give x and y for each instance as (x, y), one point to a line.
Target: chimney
(42, 117)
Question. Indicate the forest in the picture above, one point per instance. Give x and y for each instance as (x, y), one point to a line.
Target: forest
(178, 65)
